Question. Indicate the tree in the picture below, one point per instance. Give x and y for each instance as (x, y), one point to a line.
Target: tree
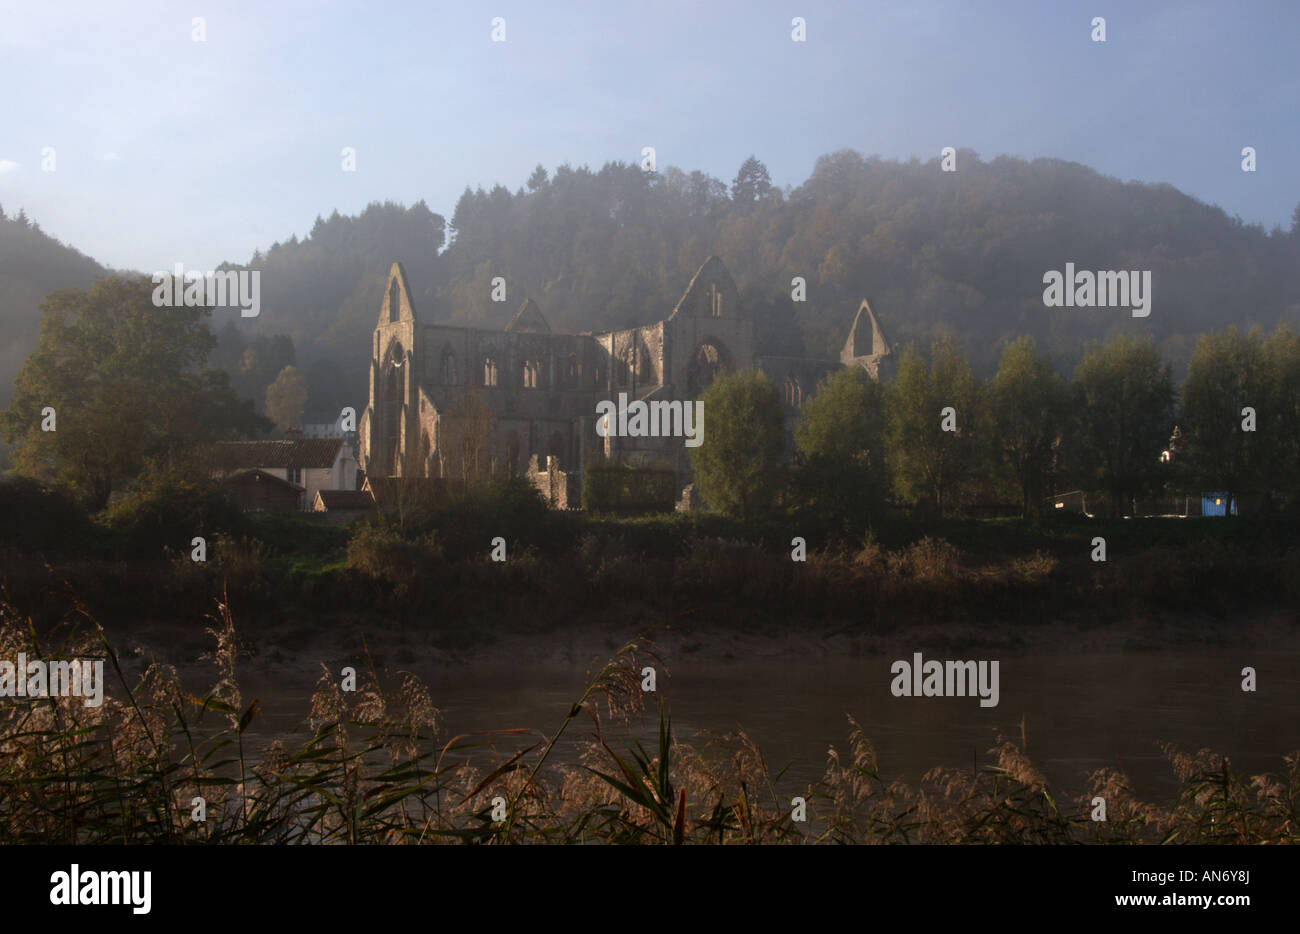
(254, 365)
(930, 449)
(705, 195)
(286, 398)
(738, 464)
(1279, 414)
(752, 183)
(1224, 376)
(840, 445)
(1123, 394)
(1026, 414)
(127, 385)
(538, 179)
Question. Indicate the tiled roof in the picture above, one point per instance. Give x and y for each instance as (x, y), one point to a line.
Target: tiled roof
(261, 476)
(304, 453)
(345, 499)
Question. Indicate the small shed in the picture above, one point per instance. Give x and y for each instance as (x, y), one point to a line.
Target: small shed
(1216, 504)
(258, 491)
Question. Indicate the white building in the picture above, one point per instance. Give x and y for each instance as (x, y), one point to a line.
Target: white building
(314, 464)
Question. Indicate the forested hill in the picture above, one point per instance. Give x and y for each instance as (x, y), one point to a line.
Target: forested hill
(324, 291)
(32, 264)
(965, 250)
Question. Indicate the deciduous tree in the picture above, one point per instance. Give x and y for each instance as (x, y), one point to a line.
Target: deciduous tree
(738, 464)
(1026, 415)
(840, 443)
(286, 398)
(1123, 400)
(931, 451)
(127, 384)
(1224, 377)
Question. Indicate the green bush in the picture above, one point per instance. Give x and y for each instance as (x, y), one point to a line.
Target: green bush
(171, 514)
(379, 551)
(299, 534)
(625, 490)
(506, 507)
(34, 517)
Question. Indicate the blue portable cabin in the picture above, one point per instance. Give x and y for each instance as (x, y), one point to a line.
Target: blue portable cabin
(1216, 504)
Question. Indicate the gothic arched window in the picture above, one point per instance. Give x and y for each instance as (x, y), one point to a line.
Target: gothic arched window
(390, 424)
(793, 392)
(715, 300)
(708, 360)
(512, 454)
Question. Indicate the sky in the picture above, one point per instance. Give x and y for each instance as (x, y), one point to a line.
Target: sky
(168, 149)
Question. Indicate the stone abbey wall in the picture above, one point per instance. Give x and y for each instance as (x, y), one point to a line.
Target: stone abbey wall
(462, 402)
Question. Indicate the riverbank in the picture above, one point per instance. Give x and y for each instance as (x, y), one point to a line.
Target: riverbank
(306, 594)
(1101, 662)
(276, 648)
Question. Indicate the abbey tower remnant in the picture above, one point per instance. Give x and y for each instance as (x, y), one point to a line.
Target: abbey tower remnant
(463, 402)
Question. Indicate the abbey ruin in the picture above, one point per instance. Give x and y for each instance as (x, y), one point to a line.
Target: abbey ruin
(463, 402)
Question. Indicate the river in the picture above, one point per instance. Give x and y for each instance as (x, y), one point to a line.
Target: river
(1080, 712)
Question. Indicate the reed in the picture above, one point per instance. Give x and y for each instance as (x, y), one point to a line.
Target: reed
(377, 769)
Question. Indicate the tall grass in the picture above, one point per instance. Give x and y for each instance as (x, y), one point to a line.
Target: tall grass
(378, 769)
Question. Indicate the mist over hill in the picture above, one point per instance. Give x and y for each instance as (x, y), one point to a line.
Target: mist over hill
(600, 249)
(966, 251)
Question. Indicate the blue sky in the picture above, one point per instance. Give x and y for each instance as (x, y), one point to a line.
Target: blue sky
(170, 150)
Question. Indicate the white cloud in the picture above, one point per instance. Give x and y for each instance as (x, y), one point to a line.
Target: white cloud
(112, 157)
(8, 165)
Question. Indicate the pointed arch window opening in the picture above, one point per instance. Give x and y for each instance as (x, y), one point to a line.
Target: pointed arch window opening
(715, 300)
(708, 360)
(793, 392)
(392, 415)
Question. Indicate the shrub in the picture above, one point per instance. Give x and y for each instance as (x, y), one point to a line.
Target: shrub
(379, 551)
(169, 515)
(299, 533)
(34, 517)
(626, 490)
(509, 507)
(928, 560)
